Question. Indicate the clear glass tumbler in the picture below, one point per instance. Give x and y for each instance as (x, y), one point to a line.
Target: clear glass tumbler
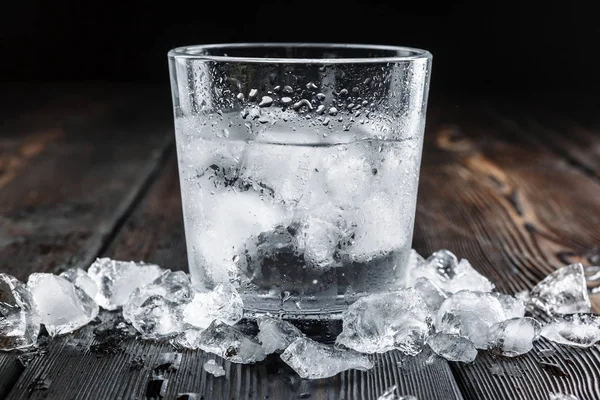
(299, 166)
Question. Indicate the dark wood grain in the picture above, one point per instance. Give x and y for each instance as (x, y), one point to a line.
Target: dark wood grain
(155, 233)
(72, 162)
(10, 369)
(517, 211)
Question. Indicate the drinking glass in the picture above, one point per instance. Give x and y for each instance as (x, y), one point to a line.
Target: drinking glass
(299, 166)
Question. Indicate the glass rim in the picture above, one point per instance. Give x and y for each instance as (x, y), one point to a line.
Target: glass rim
(194, 52)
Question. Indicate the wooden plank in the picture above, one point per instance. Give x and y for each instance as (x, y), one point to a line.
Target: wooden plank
(155, 233)
(517, 212)
(71, 165)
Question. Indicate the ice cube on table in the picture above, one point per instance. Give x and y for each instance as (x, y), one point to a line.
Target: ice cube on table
(382, 322)
(431, 294)
(513, 307)
(470, 314)
(223, 303)
(19, 319)
(116, 280)
(229, 220)
(155, 310)
(213, 368)
(314, 360)
(578, 330)
(62, 306)
(562, 396)
(452, 347)
(513, 337)
(449, 274)
(275, 334)
(225, 341)
(390, 394)
(82, 280)
(562, 292)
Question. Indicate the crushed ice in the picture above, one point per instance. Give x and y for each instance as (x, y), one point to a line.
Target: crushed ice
(449, 310)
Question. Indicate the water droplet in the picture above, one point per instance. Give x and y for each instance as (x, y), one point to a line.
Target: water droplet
(288, 90)
(355, 90)
(315, 281)
(321, 109)
(226, 132)
(343, 92)
(350, 106)
(367, 81)
(320, 96)
(286, 101)
(277, 88)
(301, 103)
(244, 113)
(252, 94)
(326, 121)
(240, 96)
(333, 111)
(311, 86)
(263, 120)
(297, 303)
(347, 127)
(266, 101)
(340, 119)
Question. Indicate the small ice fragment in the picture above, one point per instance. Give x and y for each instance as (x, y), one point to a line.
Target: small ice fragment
(562, 292)
(226, 342)
(154, 310)
(578, 330)
(116, 280)
(168, 361)
(470, 314)
(452, 347)
(562, 396)
(188, 339)
(62, 306)
(444, 269)
(213, 368)
(276, 334)
(513, 337)
(223, 303)
(19, 319)
(314, 360)
(390, 394)
(431, 294)
(82, 280)
(383, 322)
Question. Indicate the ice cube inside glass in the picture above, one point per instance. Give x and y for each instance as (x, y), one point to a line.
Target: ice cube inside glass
(299, 166)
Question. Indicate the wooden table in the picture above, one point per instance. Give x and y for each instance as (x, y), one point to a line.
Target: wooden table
(90, 170)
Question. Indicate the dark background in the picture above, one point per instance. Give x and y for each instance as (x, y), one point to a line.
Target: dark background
(478, 47)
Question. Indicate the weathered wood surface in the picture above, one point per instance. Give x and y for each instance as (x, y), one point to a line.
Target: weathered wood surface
(495, 188)
(500, 198)
(72, 162)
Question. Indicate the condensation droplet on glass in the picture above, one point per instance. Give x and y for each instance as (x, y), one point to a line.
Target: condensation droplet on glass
(340, 119)
(320, 96)
(343, 92)
(347, 127)
(226, 132)
(252, 94)
(286, 101)
(244, 113)
(298, 105)
(288, 90)
(240, 96)
(355, 90)
(326, 121)
(315, 281)
(266, 101)
(333, 111)
(277, 88)
(367, 81)
(350, 106)
(311, 86)
(321, 109)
